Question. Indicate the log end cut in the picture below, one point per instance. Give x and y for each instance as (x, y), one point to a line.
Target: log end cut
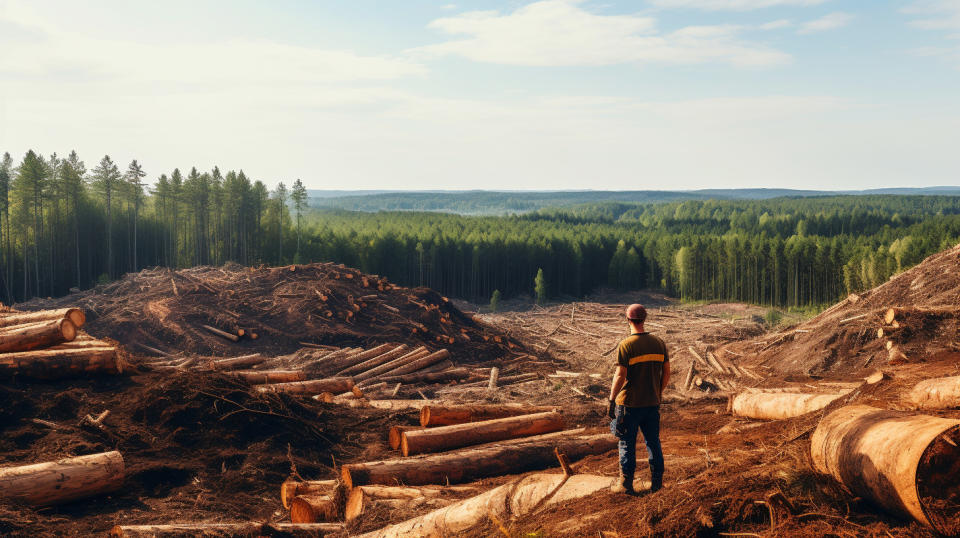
(312, 509)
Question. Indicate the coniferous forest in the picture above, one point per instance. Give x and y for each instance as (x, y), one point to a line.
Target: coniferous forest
(66, 224)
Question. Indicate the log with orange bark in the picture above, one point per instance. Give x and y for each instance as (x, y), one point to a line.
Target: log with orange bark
(260, 377)
(64, 480)
(75, 315)
(60, 363)
(474, 433)
(242, 528)
(445, 415)
(334, 385)
(35, 335)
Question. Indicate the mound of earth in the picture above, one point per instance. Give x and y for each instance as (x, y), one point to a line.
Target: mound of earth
(319, 303)
(856, 334)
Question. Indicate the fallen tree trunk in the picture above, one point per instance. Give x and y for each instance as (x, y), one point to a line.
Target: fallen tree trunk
(504, 503)
(373, 362)
(243, 361)
(410, 366)
(390, 365)
(363, 498)
(505, 380)
(225, 529)
(35, 335)
(223, 334)
(494, 459)
(446, 415)
(75, 315)
(354, 359)
(261, 377)
(938, 393)
(60, 363)
(312, 509)
(906, 463)
(293, 488)
(335, 385)
(68, 479)
(775, 406)
(474, 433)
(452, 374)
(395, 437)
(398, 404)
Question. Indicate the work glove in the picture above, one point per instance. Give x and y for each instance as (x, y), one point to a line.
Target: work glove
(612, 410)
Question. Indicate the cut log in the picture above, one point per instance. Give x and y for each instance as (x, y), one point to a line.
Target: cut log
(395, 437)
(895, 355)
(363, 498)
(260, 377)
(494, 375)
(243, 361)
(293, 488)
(373, 362)
(688, 382)
(938, 393)
(454, 374)
(495, 459)
(775, 406)
(75, 315)
(36, 335)
(225, 529)
(402, 359)
(335, 385)
(60, 363)
(69, 479)
(398, 404)
(905, 463)
(502, 381)
(456, 436)
(405, 366)
(312, 509)
(504, 503)
(446, 415)
(362, 356)
(890, 316)
(223, 334)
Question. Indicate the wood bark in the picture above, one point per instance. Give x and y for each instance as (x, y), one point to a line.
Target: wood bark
(474, 433)
(453, 374)
(373, 362)
(75, 315)
(363, 498)
(60, 363)
(879, 454)
(361, 356)
(390, 367)
(36, 335)
(292, 488)
(505, 380)
(414, 365)
(335, 385)
(494, 376)
(223, 334)
(225, 529)
(64, 480)
(313, 508)
(494, 459)
(398, 404)
(446, 415)
(243, 361)
(938, 393)
(504, 503)
(395, 436)
(775, 406)
(260, 377)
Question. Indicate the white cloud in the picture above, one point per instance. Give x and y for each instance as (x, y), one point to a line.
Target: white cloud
(448, 6)
(734, 5)
(935, 14)
(562, 33)
(776, 25)
(830, 21)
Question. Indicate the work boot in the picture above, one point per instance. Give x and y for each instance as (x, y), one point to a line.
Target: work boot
(656, 483)
(624, 484)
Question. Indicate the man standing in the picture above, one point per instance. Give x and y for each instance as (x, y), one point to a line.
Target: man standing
(643, 371)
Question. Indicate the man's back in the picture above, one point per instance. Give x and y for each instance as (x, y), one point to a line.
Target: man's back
(643, 355)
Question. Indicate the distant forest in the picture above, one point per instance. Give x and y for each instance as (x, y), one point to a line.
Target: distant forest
(64, 225)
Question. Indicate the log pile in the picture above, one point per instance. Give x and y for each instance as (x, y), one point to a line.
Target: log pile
(713, 372)
(48, 344)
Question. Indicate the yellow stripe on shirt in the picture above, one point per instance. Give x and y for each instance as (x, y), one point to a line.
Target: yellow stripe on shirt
(650, 357)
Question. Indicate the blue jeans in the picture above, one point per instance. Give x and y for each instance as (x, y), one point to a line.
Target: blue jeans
(629, 421)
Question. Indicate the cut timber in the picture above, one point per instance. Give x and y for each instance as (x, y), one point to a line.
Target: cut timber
(358, 358)
(446, 415)
(494, 375)
(312, 509)
(363, 498)
(453, 374)
(388, 366)
(260, 377)
(243, 361)
(891, 315)
(75, 315)
(60, 363)
(292, 488)
(939, 393)
(775, 406)
(34, 335)
(335, 385)
(60, 481)
(373, 362)
(899, 460)
(494, 459)
(504, 503)
(398, 404)
(505, 380)
(395, 437)
(413, 365)
(225, 529)
(474, 433)
(223, 334)
(688, 382)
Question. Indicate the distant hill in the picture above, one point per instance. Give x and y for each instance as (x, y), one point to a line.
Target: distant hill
(480, 202)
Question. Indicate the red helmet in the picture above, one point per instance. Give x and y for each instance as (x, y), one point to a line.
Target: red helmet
(636, 313)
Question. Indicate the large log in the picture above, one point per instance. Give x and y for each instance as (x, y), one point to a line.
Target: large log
(504, 503)
(474, 433)
(908, 464)
(64, 480)
(363, 498)
(445, 415)
(75, 315)
(261, 377)
(395, 436)
(775, 406)
(243, 361)
(60, 363)
(938, 393)
(313, 509)
(398, 405)
(335, 385)
(292, 488)
(373, 362)
(453, 374)
(494, 459)
(225, 529)
(36, 335)
(414, 365)
(361, 357)
(416, 354)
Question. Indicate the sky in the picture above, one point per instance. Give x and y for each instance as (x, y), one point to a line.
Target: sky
(508, 95)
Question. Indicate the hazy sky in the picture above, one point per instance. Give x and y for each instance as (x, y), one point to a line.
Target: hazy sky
(555, 94)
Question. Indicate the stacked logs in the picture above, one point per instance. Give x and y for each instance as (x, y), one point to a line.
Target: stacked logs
(712, 372)
(48, 344)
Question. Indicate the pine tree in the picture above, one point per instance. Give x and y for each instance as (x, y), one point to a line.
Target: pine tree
(495, 301)
(6, 170)
(280, 195)
(134, 178)
(540, 287)
(106, 179)
(299, 197)
(74, 171)
(28, 188)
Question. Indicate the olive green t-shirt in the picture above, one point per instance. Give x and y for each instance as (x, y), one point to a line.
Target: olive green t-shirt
(643, 355)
